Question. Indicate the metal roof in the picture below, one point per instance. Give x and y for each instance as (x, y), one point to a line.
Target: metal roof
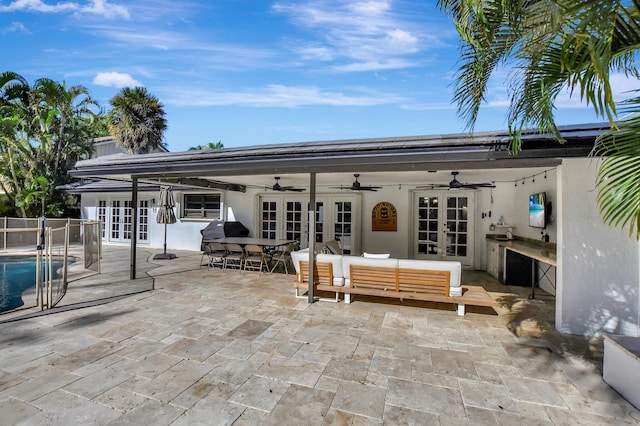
(381, 154)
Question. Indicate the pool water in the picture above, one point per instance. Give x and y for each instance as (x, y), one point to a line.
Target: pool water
(17, 274)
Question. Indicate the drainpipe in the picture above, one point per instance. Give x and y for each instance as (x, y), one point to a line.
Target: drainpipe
(134, 225)
(312, 234)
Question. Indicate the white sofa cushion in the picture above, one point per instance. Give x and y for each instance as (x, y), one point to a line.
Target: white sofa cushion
(376, 255)
(347, 261)
(455, 269)
(336, 262)
(297, 256)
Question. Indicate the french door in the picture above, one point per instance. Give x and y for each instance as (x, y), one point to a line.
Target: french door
(117, 219)
(287, 217)
(443, 226)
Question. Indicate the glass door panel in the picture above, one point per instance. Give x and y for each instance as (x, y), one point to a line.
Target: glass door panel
(319, 221)
(115, 220)
(293, 220)
(342, 225)
(102, 216)
(428, 224)
(143, 221)
(269, 220)
(457, 231)
(127, 221)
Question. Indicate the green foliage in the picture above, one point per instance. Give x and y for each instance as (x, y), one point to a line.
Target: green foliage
(210, 145)
(44, 130)
(137, 120)
(619, 177)
(548, 46)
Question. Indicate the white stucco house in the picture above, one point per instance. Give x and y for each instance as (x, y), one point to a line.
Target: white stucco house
(596, 280)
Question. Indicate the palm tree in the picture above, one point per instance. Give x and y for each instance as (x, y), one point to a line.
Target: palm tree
(44, 130)
(549, 46)
(210, 145)
(137, 120)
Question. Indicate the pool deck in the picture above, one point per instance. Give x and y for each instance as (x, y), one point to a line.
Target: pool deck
(189, 346)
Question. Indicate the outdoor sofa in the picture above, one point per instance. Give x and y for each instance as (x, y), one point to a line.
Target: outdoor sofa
(377, 275)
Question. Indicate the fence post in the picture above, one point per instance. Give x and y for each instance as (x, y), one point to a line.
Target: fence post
(65, 257)
(5, 234)
(39, 292)
(100, 225)
(50, 267)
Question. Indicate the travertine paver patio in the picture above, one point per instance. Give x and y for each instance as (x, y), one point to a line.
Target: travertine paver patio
(213, 347)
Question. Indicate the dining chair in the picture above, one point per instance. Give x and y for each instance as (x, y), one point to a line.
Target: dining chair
(255, 258)
(283, 257)
(216, 253)
(235, 256)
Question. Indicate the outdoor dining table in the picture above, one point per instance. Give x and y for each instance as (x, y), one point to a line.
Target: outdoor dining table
(265, 243)
(269, 247)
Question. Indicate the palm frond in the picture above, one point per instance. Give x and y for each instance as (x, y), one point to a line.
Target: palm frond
(618, 180)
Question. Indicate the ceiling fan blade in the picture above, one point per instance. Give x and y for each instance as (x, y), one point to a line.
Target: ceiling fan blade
(476, 185)
(433, 186)
(292, 189)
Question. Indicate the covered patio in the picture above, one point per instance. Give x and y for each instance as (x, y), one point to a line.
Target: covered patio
(596, 272)
(242, 349)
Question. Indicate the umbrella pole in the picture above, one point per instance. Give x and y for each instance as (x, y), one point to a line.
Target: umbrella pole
(165, 238)
(165, 255)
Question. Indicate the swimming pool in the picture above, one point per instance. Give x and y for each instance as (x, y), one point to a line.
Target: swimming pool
(17, 274)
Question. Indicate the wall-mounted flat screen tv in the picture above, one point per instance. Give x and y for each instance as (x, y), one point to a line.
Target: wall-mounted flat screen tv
(538, 210)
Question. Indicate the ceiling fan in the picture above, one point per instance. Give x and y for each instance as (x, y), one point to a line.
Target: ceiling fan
(456, 184)
(357, 186)
(277, 187)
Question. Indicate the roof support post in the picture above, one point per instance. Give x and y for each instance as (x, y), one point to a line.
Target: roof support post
(134, 225)
(312, 234)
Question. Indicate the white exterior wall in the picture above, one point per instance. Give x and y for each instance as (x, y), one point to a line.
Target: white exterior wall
(599, 281)
(396, 243)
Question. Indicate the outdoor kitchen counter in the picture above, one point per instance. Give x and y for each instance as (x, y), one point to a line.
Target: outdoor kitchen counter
(538, 250)
(543, 253)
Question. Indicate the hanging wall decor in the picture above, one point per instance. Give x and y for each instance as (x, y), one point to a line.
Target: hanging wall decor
(384, 217)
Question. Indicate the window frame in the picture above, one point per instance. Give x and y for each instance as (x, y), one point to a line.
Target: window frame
(189, 213)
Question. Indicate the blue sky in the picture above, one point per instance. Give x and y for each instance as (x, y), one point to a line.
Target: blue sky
(250, 72)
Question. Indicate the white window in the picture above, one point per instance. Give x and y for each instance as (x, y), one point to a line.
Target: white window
(203, 206)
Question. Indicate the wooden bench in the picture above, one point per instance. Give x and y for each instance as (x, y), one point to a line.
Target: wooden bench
(401, 283)
(322, 275)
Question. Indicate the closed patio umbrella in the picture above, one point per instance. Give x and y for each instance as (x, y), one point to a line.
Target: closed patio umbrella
(167, 216)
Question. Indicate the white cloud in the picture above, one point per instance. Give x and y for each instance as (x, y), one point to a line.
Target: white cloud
(95, 7)
(115, 79)
(385, 64)
(38, 6)
(316, 53)
(360, 34)
(277, 95)
(105, 9)
(370, 7)
(16, 27)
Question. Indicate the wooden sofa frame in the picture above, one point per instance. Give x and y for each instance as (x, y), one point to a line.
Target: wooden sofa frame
(322, 275)
(402, 283)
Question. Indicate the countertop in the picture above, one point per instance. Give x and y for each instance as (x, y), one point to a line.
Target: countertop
(544, 252)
